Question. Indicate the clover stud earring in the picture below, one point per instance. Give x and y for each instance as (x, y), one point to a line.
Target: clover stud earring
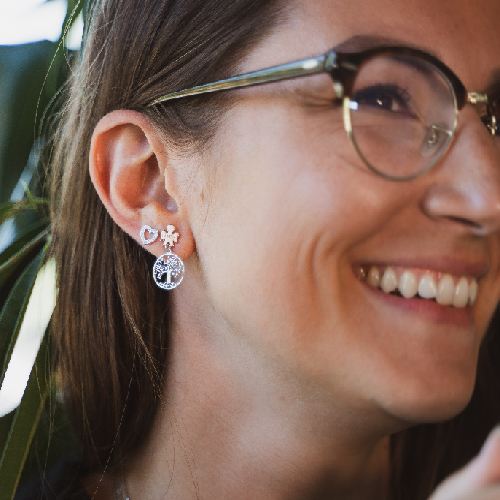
(168, 270)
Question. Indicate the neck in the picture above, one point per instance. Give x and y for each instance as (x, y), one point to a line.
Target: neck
(231, 427)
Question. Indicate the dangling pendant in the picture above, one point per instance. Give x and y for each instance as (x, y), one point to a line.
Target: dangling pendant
(168, 271)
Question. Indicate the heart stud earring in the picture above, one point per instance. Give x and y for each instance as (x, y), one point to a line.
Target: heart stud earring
(168, 270)
(153, 232)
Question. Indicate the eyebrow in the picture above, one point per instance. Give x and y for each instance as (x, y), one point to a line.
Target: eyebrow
(359, 43)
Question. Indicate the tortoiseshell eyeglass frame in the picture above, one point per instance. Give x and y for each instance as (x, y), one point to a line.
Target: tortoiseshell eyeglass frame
(343, 68)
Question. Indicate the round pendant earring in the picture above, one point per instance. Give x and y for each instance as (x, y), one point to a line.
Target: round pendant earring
(168, 270)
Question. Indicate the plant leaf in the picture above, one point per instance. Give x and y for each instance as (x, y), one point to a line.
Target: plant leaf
(24, 234)
(52, 81)
(22, 428)
(14, 308)
(11, 209)
(7, 210)
(8, 266)
(72, 12)
(18, 427)
(22, 72)
(34, 322)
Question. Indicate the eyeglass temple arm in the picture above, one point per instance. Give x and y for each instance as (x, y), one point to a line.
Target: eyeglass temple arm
(295, 69)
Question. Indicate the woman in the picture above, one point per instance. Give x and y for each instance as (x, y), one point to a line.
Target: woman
(335, 292)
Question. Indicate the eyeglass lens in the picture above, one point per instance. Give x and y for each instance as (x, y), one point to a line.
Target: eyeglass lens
(403, 114)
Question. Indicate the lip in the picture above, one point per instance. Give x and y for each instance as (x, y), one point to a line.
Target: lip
(426, 309)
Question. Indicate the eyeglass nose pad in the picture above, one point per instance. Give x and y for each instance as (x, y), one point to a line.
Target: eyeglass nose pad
(338, 88)
(436, 138)
(487, 109)
(491, 123)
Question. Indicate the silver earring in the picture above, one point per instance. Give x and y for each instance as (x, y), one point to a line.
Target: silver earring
(168, 270)
(149, 229)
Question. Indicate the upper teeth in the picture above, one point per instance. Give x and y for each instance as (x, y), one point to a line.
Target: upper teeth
(446, 289)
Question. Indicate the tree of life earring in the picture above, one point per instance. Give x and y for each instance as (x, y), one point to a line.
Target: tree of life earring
(168, 270)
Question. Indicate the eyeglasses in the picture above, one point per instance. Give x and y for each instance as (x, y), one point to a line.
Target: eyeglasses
(400, 105)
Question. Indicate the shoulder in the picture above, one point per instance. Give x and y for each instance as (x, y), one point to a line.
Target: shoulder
(62, 482)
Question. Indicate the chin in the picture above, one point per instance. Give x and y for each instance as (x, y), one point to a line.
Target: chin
(432, 406)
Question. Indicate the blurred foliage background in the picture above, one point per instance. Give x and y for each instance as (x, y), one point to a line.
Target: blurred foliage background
(31, 77)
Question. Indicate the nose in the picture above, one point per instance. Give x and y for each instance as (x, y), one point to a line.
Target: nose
(465, 188)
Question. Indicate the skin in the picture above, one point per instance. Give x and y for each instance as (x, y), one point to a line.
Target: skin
(286, 373)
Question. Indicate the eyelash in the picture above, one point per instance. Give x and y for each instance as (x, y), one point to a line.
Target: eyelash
(390, 90)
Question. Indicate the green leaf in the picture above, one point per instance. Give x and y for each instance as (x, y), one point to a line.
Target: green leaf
(22, 73)
(24, 234)
(13, 256)
(14, 308)
(52, 83)
(5, 426)
(73, 11)
(7, 210)
(11, 209)
(22, 427)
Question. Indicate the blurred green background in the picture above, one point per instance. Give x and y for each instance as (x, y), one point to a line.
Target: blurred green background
(32, 76)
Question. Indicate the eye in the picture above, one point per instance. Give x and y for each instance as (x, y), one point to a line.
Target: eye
(385, 98)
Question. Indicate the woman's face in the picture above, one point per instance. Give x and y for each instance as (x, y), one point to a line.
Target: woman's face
(293, 217)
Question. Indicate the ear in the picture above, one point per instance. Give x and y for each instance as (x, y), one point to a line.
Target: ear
(129, 167)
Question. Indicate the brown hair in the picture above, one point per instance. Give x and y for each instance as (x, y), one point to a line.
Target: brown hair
(111, 323)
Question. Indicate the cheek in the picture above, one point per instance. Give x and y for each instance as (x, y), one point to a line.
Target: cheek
(279, 237)
(290, 214)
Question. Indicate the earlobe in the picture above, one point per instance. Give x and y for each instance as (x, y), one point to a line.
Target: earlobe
(128, 167)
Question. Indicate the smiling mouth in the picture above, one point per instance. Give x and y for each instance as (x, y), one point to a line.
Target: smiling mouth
(443, 288)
